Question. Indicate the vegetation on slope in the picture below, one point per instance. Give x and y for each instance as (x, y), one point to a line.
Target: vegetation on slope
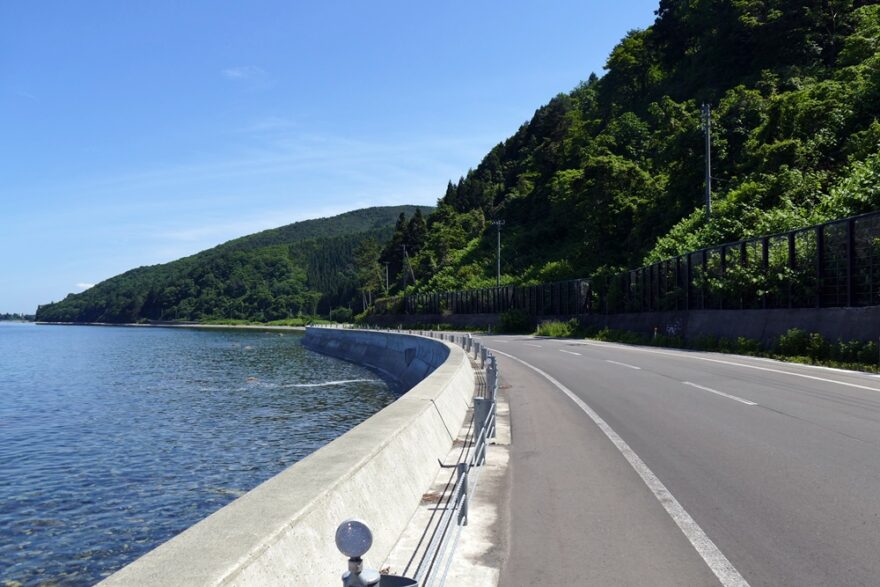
(305, 268)
(610, 175)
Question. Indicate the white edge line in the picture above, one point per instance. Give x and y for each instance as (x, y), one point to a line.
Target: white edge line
(746, 365)
(569, 352)
(534, 345)
(721, 393)
(713, 557)
(627, 365)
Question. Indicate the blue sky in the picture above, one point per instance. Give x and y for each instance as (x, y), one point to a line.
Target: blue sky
(134, 133)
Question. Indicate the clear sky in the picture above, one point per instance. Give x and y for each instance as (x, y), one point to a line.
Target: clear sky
(134, 133)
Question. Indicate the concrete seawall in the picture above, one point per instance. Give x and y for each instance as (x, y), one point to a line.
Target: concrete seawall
(282, 531)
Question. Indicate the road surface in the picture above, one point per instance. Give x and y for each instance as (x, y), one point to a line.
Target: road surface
(648, 466)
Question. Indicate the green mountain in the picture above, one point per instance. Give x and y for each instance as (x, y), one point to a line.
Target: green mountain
(610, 175)
(305, 268)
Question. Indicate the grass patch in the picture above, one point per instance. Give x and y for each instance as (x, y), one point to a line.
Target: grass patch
(557, 328)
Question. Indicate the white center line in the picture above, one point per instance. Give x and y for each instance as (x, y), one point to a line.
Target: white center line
(721, 393)
(628, 366)
(569, 352)
(711, 555)
(534, 345)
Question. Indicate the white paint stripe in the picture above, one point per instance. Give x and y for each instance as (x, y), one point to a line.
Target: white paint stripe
(627, 365)
(747, 366)
(569, 352)
(713, 557)
(721, 393)
(534, 345)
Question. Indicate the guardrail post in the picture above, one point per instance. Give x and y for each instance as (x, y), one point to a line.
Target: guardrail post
(463, 476)
(482, 409)
(491, 374)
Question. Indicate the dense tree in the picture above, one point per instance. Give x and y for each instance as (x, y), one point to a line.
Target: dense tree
(611, 174)
(306, 268)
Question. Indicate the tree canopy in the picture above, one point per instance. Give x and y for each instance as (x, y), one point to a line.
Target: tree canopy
(301, 269)
(610, 175)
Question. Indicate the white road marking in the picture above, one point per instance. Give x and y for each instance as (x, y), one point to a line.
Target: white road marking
(747, 366)
(628, 366)
(569, 352)
(712, 556)
(534, 345)
(721, 393)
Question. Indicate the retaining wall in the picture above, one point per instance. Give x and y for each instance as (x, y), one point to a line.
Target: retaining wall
(282, 532)
(764, 325)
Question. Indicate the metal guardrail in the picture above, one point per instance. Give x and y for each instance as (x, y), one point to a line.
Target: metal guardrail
(833, 264)
(455, 512)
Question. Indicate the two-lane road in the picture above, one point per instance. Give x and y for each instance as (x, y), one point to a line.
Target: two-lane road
(635, 465)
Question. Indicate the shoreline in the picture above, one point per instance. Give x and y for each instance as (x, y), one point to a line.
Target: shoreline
(193, 325)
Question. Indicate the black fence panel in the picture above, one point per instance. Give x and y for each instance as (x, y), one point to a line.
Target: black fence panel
(835, 264)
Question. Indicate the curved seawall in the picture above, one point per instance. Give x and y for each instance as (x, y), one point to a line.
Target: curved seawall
(282, 531)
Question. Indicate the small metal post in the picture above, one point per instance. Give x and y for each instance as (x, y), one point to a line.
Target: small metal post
(482, 409)
(358, 576)
(491, 373)
(463, 512)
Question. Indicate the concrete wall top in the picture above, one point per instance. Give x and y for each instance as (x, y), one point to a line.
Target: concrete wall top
(282, 532)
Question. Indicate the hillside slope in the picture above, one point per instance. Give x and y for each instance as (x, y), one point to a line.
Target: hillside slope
(610, 174)
(302, 268)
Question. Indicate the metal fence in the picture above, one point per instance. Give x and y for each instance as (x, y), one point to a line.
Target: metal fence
(436, 560)
(835, 264)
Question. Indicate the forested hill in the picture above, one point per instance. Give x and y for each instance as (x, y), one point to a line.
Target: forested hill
(303, 268)
(611, 174)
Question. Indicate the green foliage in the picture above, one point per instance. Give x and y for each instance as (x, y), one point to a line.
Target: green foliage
(610, 175)
(341, 315)
(300, 270)
(557, 328)
(793, 343)
(16, 317)
(516, 322)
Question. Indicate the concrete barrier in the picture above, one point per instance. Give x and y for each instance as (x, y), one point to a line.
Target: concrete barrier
(282, 531)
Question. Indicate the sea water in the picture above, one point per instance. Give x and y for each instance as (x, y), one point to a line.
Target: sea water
(115, 439)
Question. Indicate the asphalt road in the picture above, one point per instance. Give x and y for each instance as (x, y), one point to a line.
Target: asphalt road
(672, 467)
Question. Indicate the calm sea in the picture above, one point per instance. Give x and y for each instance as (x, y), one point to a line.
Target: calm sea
(113, 440)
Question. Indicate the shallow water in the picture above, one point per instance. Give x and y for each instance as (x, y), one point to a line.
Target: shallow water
(113, 440)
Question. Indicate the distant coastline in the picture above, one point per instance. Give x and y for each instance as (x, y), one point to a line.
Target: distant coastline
(176, 325)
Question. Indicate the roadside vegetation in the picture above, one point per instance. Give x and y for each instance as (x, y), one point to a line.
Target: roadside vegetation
(796, 345)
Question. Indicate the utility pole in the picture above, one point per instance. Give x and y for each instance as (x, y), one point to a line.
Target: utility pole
(498, 223)
(707, 128)
(386, 277)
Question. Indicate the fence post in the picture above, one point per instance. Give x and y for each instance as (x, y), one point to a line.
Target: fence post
(765, 267)
(820, 263)
(688, 279)
(792, 264)
(850, 262)
(743, 263)
(703, 284)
